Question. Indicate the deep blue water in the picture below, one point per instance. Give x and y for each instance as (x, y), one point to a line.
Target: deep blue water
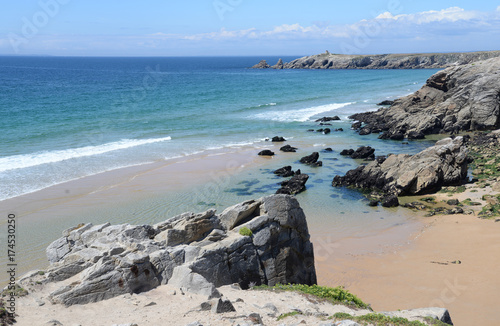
(63, 118)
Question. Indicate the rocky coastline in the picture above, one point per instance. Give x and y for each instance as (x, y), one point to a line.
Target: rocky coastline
(329, 60)
(218, 262)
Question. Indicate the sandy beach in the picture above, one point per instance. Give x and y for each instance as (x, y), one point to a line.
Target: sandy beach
(452, 262)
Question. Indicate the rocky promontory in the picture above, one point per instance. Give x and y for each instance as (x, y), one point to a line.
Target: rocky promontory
(444, 164)
(462, 98)
(329, 60)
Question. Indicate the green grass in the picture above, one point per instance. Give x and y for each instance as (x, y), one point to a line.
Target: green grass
(452, 190)
(288, 314)
(18, 292)
(342, 316)
(246, 231)
(434, 322)
(382, 320)
(336, 295)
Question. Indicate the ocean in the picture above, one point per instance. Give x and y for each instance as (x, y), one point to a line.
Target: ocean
(68, 118)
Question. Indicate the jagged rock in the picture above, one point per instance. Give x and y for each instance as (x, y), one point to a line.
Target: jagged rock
(459, 98)
(310, 159)
(397, 136)
(327, 119)
(221, 306)
(288, 149)
(363, 152)
(356, 125)
(443, 164)
(194, 252)
(266, 152)
(285, 172)
(278, 139)
(386, 102)
(278, 65)
(293, 186)
(261, 65)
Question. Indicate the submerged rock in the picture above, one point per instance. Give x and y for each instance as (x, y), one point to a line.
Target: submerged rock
(288, 149)
(196, 252)
(310, 159)
(327, 119)
(278, 139)
(266, 152)
(293, 186)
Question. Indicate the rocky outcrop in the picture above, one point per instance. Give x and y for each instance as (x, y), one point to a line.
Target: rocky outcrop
(363, 152)
(462, 98)
(261, 65)
(327, 119)
(311, 159)
(278, 65)
(329, 60)
(196, 252)
(286, 172)
(443, 164)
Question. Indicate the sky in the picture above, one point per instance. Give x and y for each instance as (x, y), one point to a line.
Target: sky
(245, 27)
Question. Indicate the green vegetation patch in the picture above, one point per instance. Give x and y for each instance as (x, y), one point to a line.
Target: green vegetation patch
(379, 319)
(342, 315)
(452, 190)
(336, 295)
(6, 318)
(430, 199)
(288, 314)
(244, 231)
(18, 291)
(434, 322)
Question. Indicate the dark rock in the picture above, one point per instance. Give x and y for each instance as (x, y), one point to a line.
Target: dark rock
(278, 139)
(288, 149)
(326, 131)
(285, 172)
(384, 135)
(363, 152)
(327, 119)
(366, 130)
(381, 159)
(386, 102)
(415, 205)
(390, 200)
(310, 159)
(325, 124)
(397, 136)
(339, 129)
(452, 202)
(310, 130)
(320, 130)
(221, 306)
(266, 152)
(347, 152)
(293, 186)
(415, 135)
(373, 203)
(356, 125)
(328, 149)
(317, 164)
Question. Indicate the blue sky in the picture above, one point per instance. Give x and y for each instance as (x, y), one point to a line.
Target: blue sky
(246, 27)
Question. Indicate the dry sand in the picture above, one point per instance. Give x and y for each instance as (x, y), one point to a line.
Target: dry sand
(422, 273)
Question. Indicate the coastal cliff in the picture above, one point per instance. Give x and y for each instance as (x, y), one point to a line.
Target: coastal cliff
(329, 60)
(462, 98)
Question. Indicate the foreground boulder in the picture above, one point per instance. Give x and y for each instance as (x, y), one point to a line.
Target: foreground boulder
(196, 252)
(311, 159)
(443, 164)
(460, 98)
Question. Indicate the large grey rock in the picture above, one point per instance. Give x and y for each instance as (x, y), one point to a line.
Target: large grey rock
(195, 252)
(443, 164)
(460, 98)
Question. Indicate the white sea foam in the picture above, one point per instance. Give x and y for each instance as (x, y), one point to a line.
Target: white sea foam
(300, 115)
(38, 158)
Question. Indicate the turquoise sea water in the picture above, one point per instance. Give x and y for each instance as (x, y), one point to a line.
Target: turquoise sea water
(67, 118)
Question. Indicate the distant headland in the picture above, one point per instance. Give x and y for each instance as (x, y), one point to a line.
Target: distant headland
(329, 60)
